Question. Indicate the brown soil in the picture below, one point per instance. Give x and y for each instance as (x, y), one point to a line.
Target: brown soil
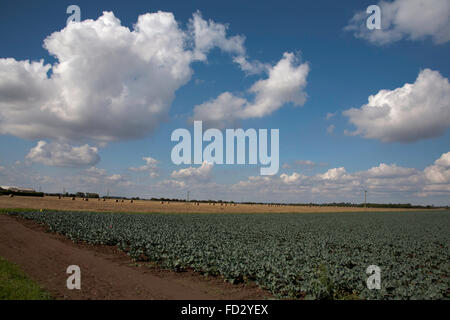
(106, 273)
(110, 205)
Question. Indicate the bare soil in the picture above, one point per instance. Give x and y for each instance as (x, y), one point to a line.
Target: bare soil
(106, 273)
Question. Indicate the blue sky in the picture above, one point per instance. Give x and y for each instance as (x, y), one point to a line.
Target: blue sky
(345, 68)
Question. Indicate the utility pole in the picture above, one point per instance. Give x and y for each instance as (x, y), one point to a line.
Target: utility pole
(365, 198)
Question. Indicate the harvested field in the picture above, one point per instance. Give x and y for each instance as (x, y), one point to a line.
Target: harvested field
(110, 205)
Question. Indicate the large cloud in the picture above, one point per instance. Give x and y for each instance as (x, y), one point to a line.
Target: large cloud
(63, 155)
(415, 111)
(285, 84)
(406, 19)
(108, 82)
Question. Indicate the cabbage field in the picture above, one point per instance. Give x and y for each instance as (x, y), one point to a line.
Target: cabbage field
(301, 256)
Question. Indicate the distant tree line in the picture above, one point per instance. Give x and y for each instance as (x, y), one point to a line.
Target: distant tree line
(353, 205)
(192, 200)
(331, 204)
(87, 195)
(72, 195)
(21, 193)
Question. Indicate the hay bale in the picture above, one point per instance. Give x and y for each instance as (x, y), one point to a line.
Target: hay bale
(117, 200)
(11, 196)
(73, 198)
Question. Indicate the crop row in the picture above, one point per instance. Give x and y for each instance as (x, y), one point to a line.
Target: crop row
(317, 256)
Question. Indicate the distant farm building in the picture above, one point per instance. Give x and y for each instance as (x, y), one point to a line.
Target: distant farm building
(17, 189)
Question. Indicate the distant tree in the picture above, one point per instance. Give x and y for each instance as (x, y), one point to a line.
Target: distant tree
(92, 195)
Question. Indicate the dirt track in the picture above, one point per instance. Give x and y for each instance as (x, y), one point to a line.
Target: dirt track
(105, 272)
(109, 205)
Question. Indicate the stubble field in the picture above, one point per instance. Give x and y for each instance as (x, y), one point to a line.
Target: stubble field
(144, 206)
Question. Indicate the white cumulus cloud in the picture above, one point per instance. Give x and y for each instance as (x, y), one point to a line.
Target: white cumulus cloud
(63, 155)
(99, 178)
(439, 172)
(413, 112)
(285, 84)
(293, 178)
(385, 183)
(390, 171)
(406, 19)
(150, 166)
(200, 174)
(334, 174)
(108, 82)
(209, 34)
